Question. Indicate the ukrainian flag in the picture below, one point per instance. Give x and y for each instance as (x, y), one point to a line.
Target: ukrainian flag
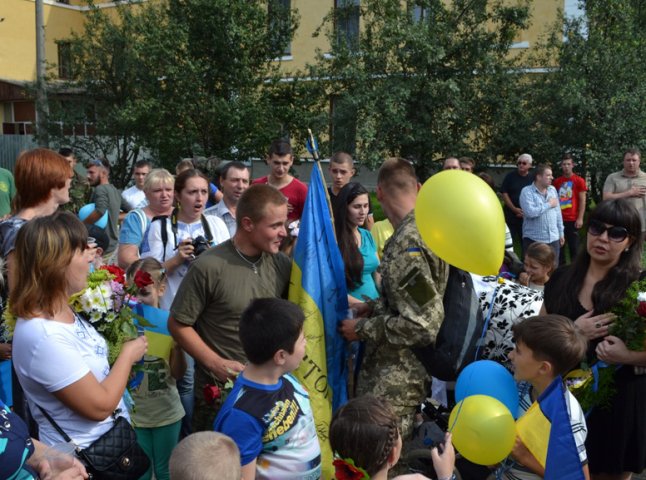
(160, 342)
(546, 431)
(318, 286)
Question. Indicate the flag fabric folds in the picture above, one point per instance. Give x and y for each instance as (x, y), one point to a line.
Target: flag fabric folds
(546, 431)
(159, 339)
(318, 286)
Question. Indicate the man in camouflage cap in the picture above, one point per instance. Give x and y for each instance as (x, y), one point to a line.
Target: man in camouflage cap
(80, 188)
(410, 310)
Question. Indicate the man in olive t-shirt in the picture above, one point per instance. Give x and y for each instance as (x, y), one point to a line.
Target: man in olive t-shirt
(220, 284)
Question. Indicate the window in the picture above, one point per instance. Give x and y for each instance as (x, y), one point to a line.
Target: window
(65, 60)
(346, 17)
(419, 10)
(280, 25)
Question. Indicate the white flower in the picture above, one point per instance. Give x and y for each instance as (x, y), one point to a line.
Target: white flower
(641, 296)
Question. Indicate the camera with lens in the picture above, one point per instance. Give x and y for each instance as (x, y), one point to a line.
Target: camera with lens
(200, 245)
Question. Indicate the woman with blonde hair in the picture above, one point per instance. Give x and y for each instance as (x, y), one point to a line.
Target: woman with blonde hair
(59, 358)
(159, 190)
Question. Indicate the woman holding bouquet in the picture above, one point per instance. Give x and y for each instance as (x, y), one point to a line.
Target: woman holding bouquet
(60, 359)
(586, 291)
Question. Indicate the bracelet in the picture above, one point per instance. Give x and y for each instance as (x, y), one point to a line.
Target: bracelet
(452, 477)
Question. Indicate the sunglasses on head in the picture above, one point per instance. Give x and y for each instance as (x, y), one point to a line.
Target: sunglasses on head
(616, 234)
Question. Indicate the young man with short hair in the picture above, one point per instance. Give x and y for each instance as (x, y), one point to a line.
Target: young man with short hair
(342, 170)
(572, 193)
(205, 313)
(135, 195)
(280, 160)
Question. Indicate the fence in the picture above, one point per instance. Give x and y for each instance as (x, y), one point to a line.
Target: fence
(11, 146)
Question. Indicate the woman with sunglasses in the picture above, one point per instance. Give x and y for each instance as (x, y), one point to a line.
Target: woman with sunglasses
(586, 291)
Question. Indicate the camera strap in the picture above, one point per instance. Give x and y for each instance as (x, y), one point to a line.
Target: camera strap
(205, 227)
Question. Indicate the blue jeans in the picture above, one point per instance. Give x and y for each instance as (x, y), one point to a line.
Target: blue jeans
(185, 389)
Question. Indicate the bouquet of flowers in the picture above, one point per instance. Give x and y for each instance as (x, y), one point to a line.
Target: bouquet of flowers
(594, 386)
(105, 303)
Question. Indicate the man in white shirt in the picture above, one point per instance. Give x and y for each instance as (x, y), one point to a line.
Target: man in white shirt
(234, 180)
(135, 196)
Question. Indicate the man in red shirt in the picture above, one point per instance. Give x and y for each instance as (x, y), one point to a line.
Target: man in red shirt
(280, 160)
(572, 191)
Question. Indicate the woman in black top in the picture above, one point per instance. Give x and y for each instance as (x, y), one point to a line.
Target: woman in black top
(585, 291)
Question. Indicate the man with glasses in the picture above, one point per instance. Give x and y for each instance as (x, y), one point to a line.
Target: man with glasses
(542, 220)
(512, 185)
(629, 183)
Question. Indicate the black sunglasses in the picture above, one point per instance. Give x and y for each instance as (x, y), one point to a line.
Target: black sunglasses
(616, 234)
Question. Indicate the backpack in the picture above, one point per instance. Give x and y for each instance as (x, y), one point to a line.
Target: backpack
(461, 332)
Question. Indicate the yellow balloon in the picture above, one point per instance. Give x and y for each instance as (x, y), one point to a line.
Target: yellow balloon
(460, 218)
(483, 429)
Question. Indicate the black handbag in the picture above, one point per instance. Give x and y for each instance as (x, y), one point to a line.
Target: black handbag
(115, 455)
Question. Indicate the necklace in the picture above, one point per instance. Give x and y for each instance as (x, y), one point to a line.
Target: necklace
(254, 265)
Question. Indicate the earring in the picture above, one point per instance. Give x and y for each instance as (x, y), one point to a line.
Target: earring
(628, 248)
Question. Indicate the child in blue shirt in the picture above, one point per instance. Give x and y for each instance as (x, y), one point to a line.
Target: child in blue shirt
(268, 412)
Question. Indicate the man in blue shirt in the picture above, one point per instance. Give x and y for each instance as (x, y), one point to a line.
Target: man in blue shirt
(542, 221)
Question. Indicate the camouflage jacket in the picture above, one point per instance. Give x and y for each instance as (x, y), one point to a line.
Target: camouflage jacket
(79, 193)
(408, 313)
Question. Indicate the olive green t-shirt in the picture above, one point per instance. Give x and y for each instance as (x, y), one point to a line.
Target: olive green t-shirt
(218, 286)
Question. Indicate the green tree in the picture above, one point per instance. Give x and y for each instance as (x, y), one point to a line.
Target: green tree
(181, 78)
(417, 80)
(590, 102)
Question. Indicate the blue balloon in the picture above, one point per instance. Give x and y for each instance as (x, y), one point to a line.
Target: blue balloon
(89, 208)
(486, 377)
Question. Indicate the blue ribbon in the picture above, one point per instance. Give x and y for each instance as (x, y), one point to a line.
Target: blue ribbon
(595, 374)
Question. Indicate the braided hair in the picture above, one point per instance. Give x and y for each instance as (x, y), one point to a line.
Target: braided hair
(365, 430)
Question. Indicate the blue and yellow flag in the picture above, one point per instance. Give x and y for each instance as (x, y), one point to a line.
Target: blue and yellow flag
(160, 342)
(546, 431)
(318, 286)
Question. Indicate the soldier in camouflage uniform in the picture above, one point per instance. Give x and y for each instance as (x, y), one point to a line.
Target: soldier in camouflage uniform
(80, 188)
(409, 311)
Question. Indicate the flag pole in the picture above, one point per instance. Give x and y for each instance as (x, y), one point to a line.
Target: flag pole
(313, 148)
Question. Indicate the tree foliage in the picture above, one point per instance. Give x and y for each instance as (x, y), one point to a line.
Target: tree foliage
(181, 78)
(421, 80)
(590, 103)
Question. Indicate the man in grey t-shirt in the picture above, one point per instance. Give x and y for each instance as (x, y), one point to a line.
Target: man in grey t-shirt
(106, 198)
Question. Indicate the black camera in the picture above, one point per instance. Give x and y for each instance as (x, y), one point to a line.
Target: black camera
(200, 245)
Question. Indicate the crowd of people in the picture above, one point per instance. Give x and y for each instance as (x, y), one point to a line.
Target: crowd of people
(225, 404)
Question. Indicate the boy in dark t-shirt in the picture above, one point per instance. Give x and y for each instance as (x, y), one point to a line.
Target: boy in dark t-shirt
(268, 412)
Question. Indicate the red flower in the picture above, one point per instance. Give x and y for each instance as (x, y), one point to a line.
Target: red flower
(344, 470)
(211, 393)
(641, 309)
(119, 274)
(143, 279)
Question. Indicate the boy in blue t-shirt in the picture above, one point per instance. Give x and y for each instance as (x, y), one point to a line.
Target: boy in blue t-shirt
(268, 412)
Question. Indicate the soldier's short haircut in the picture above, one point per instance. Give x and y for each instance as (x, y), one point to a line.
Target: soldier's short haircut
(205, 456)
(541, 167)
(342, 158)
(397, 175)
(66, 152)
(253, 202)
(554, 339)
